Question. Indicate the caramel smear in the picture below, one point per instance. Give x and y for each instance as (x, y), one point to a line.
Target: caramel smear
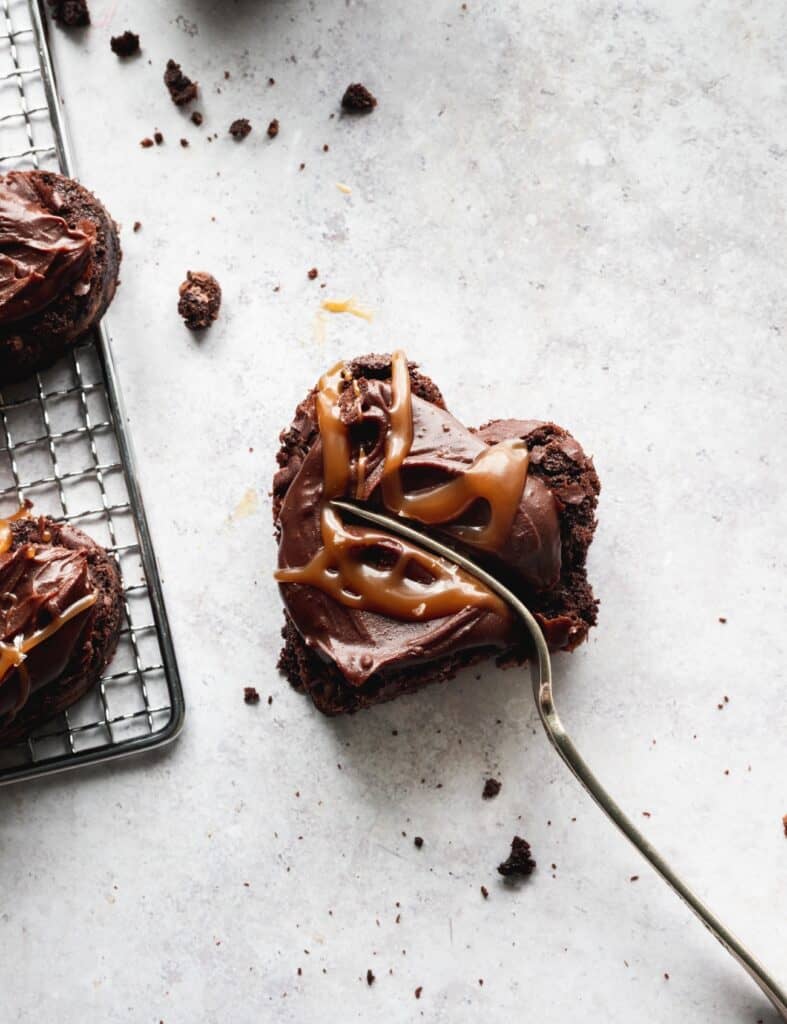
(247, 505)
(350, 305)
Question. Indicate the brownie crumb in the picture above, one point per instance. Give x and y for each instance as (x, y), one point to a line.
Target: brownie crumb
(313, 273)
(784, 822)
(491, 788)
(137, 225)
(181, 88)
(722, 619)
(273, 128)
(270, 700)
(196, 118)
(519, 861)
(418, 991)
(200, 299)
(146, 143)
(634, 878)
(125, 45)
(418, 842)
(158, 137)
(370, 977)
(325, 148)
(485, 892)
(271, 81)
(240, 129)
(70, 13)
(250, 695)
(358, 100)
(184, 142)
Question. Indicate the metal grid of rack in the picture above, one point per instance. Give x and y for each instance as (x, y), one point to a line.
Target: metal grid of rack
(64, 446)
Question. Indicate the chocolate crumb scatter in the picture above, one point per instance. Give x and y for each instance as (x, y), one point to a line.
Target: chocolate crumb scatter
(485, 892)
(491, 788)
(271, 81)
(358, 100)
(273, 128)
(519, 861)
(125, 45)
(418, 842)
(312, 273)
(137, 225)
(159, 138)
(418, 991)
(184, 143)
(370, 977)
(250, 695)
(200, 300)
(722, 620)
(325, 148)
(146, 143)
(70, 13)
(634, 878)
(196, 118)
(181, 88)
(784, 823)
(240, 129)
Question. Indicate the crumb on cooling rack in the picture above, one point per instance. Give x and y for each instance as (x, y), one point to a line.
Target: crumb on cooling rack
(200, 300)
(70, 13)
(250, 695)
(519, 862)
(358, 100)
(273, 128)
(240, 128)
(181, 88)
(125, 45)
(491, 788)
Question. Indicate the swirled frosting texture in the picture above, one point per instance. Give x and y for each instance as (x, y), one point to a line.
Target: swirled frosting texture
(41, 257)
(38, 584)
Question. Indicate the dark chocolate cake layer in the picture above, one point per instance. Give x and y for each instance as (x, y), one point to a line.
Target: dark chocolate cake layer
(61, 606)
(349, 656)
(59, 263)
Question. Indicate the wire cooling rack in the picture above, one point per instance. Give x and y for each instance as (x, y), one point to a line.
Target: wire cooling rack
(64, 446)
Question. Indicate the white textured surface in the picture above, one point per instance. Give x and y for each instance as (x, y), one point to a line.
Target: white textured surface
(565, 210)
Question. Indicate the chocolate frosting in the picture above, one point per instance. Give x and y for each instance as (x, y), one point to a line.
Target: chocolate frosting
(362, 642)
(37, 586)
(40, 255)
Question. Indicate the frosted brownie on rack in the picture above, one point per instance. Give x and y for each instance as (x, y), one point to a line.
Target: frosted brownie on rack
(59, 263)
(60, 613)
(367, 615)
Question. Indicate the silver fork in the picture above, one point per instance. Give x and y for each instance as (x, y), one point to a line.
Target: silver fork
(541, 672)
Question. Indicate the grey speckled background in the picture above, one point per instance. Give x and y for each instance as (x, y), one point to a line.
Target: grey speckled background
(566, 210)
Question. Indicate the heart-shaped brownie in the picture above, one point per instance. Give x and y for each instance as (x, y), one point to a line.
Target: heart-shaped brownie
(369, 616)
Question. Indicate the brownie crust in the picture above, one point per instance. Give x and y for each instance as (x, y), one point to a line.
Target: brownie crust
(98, 639)
(41, 339)
(555, 457)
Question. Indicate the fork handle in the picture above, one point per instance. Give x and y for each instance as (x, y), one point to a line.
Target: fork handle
(563, 744)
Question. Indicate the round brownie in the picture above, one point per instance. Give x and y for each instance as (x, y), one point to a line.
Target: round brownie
(59, 262)
(61, 603)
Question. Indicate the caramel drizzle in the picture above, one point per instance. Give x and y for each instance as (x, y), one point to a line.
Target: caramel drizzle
(497, 475)
(13, 655)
